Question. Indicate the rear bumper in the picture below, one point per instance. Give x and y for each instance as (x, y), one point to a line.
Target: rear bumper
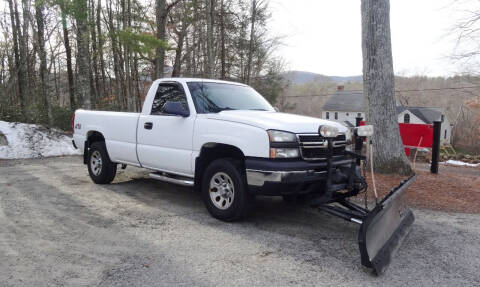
(277, 177)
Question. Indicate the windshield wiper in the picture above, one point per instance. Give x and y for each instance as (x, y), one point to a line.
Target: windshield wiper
(225, 109)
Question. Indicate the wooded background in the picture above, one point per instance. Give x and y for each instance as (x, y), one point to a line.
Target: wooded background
(60, 55)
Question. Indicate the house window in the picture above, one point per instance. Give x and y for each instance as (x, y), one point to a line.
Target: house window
(327, 115)
(406, 118)
(347, 115)
(336, 115)
(445, 135)
(443, 117)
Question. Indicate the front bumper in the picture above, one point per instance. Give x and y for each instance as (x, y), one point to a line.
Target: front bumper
(276, 177)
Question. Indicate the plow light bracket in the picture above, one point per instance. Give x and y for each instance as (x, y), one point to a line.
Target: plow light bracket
(328, 131)
(364, 131)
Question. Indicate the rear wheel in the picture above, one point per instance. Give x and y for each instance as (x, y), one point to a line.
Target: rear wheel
(224, 190)
(100, 168)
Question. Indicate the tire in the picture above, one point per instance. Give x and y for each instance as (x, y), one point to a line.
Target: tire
(225, 190)
(104, 172)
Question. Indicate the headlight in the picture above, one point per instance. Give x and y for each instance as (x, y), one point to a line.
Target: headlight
(328, 131)
(283, 152)
(364, 131)
(279, 136)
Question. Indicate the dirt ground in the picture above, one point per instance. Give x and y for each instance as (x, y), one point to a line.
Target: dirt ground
(453, 189)
(57, 228)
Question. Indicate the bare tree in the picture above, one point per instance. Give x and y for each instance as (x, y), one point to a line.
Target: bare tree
(210, 71)
(68, 54)
(83, 55)
(20, 74)
(44, 79)
(379, 88)
(161, 16)
(252, 40)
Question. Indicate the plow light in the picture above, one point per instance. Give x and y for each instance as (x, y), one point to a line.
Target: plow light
(328, 131)
(364, 131)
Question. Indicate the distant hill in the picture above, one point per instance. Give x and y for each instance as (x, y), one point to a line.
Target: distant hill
(300, 78)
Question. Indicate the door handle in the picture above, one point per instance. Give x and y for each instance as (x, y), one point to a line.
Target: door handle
(148, 125)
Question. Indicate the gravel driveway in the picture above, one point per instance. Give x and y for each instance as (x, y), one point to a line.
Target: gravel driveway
(58, 228)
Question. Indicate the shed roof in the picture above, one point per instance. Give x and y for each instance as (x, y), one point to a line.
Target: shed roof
(426, 114)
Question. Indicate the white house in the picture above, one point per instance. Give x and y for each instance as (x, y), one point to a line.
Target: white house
(346, 106)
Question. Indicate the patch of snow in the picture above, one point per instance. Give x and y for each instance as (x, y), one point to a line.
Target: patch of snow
(461, 163)
(34, 141)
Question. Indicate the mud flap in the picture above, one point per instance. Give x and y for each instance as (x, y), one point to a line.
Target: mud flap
(383, 228)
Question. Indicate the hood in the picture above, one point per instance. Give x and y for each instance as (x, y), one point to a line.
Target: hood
(270, 120)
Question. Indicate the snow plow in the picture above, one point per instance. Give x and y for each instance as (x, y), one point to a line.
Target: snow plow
(383, 227)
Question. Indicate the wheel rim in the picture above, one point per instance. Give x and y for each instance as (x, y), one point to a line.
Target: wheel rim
(221, 190)
(96, 162)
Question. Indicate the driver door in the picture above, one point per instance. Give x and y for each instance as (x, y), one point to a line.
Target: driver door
(165, 141)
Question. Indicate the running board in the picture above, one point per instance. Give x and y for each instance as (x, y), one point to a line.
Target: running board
(185, 181)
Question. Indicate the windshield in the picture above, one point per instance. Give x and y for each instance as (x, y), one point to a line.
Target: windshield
(217, 97)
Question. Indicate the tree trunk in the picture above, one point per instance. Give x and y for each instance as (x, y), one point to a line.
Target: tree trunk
(210, 23)
(177, 65)
(44, 79)
(83, 56)
(19, 72)
(96, 76)
(379, 88)
(23, 42)
(161, 19)
(100, 47)
(126, 52)
(68, 53)
(252, 39)
(223, 73)
(116, 61)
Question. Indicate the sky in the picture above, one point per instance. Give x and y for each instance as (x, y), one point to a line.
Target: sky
(324, 36)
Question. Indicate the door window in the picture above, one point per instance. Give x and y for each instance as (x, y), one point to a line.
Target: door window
(168, 92)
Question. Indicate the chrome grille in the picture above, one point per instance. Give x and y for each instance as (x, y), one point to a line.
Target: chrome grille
(314, 146)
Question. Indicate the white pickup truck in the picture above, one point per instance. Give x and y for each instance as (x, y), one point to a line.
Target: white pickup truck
(228, 142)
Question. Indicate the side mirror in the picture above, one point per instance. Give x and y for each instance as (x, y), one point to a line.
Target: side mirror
(276, 109)
(176, 109)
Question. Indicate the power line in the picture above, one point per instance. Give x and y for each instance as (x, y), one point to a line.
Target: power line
(397, 91)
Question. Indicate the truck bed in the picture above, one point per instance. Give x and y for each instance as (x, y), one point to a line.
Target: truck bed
(118, 128)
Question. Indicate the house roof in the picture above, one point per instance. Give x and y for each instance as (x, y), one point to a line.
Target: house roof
(426, 114)
(354, 101)
(345, 101)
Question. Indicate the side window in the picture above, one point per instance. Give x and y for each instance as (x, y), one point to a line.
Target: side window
(168, 92)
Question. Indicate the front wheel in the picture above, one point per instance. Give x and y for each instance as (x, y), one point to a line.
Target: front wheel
(101, 169)
(224, 190)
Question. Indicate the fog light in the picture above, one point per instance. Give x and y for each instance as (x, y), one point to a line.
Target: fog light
(328, 131)
(364, 131)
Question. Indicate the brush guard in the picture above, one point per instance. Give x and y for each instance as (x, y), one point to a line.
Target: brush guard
(382, 228)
